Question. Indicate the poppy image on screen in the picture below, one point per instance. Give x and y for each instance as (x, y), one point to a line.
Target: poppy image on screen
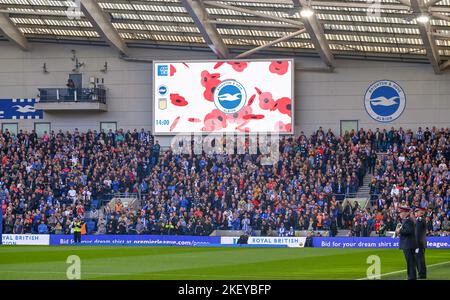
(223, 96)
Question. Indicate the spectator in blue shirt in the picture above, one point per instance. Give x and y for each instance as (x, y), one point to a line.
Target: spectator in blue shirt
(282, 230)
(183, 202)
(291, 231)
(156, 150)
(42, 228)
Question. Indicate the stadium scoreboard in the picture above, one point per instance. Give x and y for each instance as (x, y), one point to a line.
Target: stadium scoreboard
(226, 96)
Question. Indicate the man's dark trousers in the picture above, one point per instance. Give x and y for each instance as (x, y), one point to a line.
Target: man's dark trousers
(421, 236)
(410, 257)
(77, 237)
(421, 266)
(408, 244)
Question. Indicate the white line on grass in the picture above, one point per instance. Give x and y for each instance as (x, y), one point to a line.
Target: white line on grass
(56, 272)
(156, 274)
(193, 275)
(401, 271)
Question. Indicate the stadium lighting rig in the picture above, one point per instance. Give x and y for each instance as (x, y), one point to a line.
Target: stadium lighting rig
(306, 12)
(423, 18)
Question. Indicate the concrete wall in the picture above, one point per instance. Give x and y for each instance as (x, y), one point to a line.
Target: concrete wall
(322, 99)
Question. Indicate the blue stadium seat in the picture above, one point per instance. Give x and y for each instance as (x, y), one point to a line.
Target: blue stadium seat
(90, 227)
(94, 203)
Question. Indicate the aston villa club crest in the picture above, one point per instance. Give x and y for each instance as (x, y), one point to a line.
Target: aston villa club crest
(162, 103)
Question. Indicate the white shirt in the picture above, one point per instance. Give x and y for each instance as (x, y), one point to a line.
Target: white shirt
(87, 194)
(395, 191)
(72, 193)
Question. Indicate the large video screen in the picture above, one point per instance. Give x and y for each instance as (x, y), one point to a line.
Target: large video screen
(237, 96)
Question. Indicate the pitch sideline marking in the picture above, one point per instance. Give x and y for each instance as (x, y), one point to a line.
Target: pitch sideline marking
(401, 271)
(56, 272)
(112, 273)
(118, 274)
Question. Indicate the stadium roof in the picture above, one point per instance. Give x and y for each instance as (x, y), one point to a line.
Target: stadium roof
(375, 29)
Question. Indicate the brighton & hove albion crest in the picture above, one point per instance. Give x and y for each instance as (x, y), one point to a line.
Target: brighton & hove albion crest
(162, 102)
(230, 96)
(385, 100)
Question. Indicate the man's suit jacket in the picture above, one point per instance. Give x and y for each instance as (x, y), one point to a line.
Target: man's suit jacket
(408, 235)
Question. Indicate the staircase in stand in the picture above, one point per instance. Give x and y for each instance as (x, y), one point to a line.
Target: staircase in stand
(364, 190)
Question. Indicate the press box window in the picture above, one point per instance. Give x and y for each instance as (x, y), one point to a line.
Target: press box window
(349, 125)
(106, 126)
(41, 128)
(11, 127)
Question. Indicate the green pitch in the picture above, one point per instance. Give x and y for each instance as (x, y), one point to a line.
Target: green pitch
(49, 262)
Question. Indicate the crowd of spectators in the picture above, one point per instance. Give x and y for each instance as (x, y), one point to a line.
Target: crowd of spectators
(46, 181)
(413, 171)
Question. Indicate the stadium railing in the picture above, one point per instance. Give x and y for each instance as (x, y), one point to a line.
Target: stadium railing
(48, 95)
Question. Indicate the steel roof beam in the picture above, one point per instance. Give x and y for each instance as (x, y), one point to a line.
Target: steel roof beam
(271, 43)
(102, 23)
(317, 35)
(338, 4)
(254, 13)
(208, 30)
(441, 16)
(432, 2)
(427, 36)
(445, 65)
(405, 2)
(253, 24)
(442, 35)
(12, 32)
(315, 3)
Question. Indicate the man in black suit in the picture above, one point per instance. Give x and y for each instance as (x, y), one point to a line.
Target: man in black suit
(408, 242)
(421, 236)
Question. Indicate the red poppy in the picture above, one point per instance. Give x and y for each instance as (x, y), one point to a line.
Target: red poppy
(238, 66)
(194, 120)
(265, 99)
(173, 70)
(178, 100)
(244, 129)
(241, 128)
(284, 105)
(174, 124)
(281, 127)
(238, 117)
(207, 78)
(250, 101)
(253, 117)
(279, 67)
(288, 127)
(218, 65)
(215, 120)
(275, 106)
(210, 88)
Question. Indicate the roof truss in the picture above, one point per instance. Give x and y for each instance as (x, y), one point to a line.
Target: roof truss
(197, 11)
(428, 39)
(12, 32)
(103, 25)
(317, 35)
(249, 25)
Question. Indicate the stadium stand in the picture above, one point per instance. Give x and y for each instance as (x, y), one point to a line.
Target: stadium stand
(46, 181)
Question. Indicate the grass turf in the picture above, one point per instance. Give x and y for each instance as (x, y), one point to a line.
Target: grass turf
(49, 262)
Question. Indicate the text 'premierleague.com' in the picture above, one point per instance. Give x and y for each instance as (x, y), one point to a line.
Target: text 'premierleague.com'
(234, 289)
